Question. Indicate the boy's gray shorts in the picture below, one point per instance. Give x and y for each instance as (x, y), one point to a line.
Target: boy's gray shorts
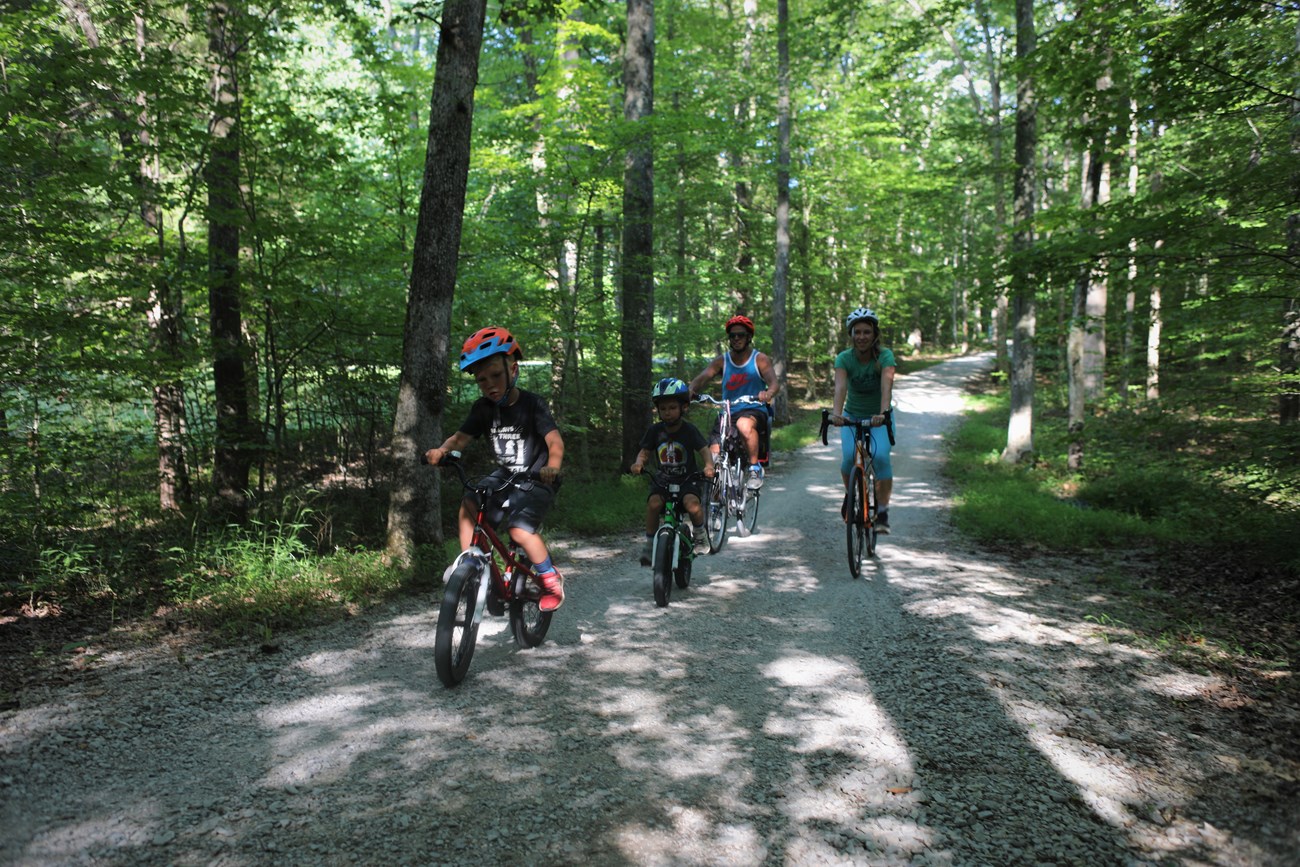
(524, 506)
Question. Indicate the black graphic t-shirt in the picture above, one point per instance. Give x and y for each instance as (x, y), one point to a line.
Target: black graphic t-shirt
(517, 432)
(675, 453)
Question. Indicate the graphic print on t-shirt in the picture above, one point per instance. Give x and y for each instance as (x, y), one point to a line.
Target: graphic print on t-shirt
(510, 447)
(672, 455)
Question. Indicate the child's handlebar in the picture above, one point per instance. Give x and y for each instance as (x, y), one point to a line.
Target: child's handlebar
(453, 459)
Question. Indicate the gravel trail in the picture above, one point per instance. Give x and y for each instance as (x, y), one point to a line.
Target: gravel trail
(949, 708)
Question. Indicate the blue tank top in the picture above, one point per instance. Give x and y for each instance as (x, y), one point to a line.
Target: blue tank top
(741, 380)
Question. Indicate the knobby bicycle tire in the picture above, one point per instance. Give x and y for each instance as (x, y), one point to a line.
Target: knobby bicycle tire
(453, 644)
(665, 539)
(685, 555)
(715, 511)
(528, 622)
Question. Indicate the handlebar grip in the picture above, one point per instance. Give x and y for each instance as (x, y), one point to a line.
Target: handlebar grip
(826, 421)
(889, 425)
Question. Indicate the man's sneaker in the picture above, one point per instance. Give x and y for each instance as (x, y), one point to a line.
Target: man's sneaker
(552, 591)
(882, 523)
(755, 480)
(700, 537)
(646, 551)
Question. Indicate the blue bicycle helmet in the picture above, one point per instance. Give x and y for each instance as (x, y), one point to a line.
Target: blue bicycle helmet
(487, 342)
(670, 387)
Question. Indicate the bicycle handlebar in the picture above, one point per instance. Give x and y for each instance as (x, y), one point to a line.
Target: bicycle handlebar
(453, 460)
(858, 424)
(746, 400)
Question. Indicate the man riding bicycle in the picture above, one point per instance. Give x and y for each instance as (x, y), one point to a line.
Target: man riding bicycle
(746, 372)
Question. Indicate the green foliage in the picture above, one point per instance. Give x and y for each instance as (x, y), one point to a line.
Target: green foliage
(1147, 484)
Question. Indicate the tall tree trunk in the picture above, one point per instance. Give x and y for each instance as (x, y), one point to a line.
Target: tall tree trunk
(638, 225)
(421, 399)
(234, 427)
(1154, 324)
(1288, 405)
(1020, 427)
(1095, 302)
(1130, 287)
(1076, 342)
(781, 272)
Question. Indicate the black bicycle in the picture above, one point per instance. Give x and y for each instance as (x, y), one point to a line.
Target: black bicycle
(860, 505)
(492, 575)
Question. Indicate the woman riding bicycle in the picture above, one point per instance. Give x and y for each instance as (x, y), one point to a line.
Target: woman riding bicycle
(864, 385)
(524, 439)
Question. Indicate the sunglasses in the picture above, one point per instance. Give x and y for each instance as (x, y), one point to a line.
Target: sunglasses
(735, 335)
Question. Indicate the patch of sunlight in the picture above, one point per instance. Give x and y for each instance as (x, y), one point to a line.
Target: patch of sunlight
(320, 737)
(688, 839)
(125, 836)
(1107, 785)
(1180, 684)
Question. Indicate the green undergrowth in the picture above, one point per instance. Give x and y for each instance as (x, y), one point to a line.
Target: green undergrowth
(1200, 514)
(1149, 479)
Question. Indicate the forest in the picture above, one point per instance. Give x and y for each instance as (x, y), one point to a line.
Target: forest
(243, 242)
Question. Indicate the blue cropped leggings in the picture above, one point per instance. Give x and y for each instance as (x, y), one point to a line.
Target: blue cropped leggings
(879, 447)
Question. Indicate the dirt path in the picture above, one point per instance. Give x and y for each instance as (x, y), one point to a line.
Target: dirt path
(949, 709)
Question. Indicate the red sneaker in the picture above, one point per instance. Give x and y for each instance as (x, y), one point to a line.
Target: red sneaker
(552, 591)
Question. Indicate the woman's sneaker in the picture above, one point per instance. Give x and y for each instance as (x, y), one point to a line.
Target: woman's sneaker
(552, 591)
(882, 523)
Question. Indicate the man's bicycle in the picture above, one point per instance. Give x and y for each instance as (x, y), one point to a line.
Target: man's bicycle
(729, 498)
(673, 550)
(492, 575)
(860, 505)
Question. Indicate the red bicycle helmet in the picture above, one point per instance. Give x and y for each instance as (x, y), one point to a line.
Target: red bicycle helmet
(487, 342)
(740, 320)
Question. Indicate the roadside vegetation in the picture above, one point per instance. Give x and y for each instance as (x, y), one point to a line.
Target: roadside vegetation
(1191, 519)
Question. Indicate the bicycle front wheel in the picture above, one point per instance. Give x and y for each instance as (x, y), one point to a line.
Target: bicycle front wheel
(685, 554)
(715, 511)
(747, 520)
(665, 541)
(453, 643)
(856, 526)
(869, 497)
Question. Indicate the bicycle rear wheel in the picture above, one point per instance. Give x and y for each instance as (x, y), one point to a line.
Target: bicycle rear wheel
(665, 540)
(855, 528)
(453, 643)
(528, 622)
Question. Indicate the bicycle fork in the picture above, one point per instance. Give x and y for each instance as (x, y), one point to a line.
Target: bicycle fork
(482, 563)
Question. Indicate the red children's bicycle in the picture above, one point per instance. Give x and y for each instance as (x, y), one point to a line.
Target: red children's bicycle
(492, 575)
